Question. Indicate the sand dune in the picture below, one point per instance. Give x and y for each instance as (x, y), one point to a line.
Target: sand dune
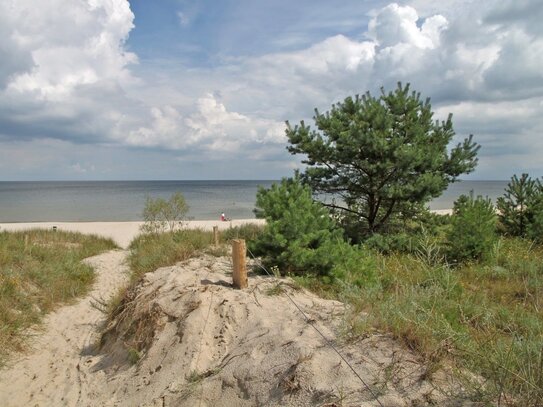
(186, 338)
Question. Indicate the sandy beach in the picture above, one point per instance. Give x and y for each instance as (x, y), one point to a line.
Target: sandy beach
(121, 232)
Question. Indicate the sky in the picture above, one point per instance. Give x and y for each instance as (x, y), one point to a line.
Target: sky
(201, 89)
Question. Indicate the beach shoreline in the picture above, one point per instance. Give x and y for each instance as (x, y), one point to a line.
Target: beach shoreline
(122, 233)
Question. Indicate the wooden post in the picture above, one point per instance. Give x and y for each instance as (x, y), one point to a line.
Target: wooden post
(216, 235)
(239, 275)
(26, 241)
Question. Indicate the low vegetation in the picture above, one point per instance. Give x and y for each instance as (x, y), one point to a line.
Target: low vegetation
(39, 270)
(480, 317)
(248, 231)
(148, 252)
(151, 251)
(161, 215)
(465, 298)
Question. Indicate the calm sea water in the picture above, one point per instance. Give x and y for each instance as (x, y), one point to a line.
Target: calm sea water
(124, 200)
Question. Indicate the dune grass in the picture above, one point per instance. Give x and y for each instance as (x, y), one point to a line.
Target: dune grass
(248, 231)
(485, 318)
(148, 252)
(151, 251)
(40, 269)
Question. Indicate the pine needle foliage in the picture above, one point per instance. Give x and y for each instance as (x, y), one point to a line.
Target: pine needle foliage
(299, 233)
(473, 232)
(521, 207)
(383, 156)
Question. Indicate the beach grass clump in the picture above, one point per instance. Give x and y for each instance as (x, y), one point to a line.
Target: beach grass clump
(482, 320)
(40, 269)
(153, 250)
(248, 231)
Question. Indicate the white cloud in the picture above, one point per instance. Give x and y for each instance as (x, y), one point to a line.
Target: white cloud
(395, 25)
(80, 46)
(210, 126)
(69, 76)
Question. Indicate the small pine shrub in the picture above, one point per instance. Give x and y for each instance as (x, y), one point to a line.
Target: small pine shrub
(299, 235)
(534, 229)
(521, 207)
(473, 231)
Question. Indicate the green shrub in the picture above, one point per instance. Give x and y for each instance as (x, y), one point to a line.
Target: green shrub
(398, 242)
(521, 207)
(248, 231)
(534, 229)
(354, 264)
(299, 234)
(473, 231)
(161, 215)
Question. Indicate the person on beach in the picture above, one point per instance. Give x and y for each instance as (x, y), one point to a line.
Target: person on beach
(223, 217)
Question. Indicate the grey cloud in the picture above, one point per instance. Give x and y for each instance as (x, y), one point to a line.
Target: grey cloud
(526, 14)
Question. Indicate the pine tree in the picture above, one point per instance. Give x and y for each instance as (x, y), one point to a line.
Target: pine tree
(382, 156)
(521, 206)
(299, 232)
(473, 231)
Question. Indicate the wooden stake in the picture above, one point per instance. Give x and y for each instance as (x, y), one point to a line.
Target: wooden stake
(216, 235)
(26, 241)
(239, 275)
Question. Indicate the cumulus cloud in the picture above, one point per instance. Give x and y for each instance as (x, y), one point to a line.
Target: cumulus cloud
(210, 126)
(394, 25)
(69, 76)
(80, 46)
(72, 72)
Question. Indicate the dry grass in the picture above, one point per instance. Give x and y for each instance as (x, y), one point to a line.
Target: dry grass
(151, 251)
(40, 269)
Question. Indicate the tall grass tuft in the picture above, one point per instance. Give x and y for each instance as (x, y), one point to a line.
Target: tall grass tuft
(40, 269)
(151, 251)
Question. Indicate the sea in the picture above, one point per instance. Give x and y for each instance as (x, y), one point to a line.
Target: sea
(88, 201)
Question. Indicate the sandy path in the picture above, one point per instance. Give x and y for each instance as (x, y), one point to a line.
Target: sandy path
(56, 372)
